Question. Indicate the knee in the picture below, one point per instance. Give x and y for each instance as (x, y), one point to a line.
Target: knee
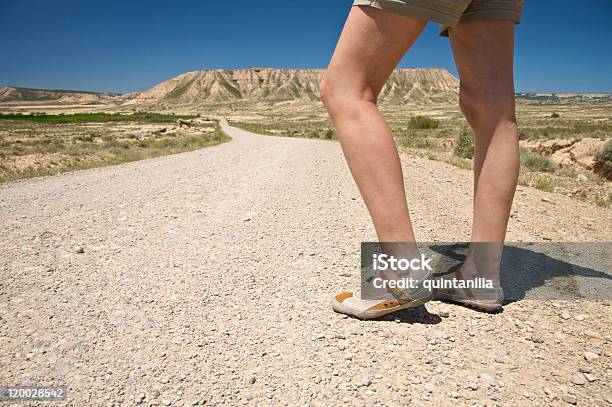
(326, 91)
(332, 94)
(344, 97)
(487, 107)
(470, 108)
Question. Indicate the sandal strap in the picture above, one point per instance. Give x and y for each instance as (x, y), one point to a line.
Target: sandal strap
(467, 293)
(406, 295)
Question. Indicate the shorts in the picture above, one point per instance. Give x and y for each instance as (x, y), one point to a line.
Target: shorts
(449, 12)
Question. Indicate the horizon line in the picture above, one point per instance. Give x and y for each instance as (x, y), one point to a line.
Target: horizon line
(596, 92)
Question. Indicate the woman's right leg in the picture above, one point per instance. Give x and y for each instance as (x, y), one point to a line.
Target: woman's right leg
(371, 45)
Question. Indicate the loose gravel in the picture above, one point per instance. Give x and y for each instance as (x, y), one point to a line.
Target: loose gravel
(205, 278)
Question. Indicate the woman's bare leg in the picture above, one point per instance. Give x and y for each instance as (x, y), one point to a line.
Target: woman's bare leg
(370, 46)
(484, 53)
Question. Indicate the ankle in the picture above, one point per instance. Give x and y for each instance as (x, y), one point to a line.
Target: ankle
(489, 270)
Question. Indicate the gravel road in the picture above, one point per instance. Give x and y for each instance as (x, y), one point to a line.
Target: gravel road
(205, 278)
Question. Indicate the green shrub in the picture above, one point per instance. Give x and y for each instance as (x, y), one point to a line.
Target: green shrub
(601, 201)
(423, 122)
(555, 115)
(536, 162)
(461, 163)
(544, 183)
(464, 146)
(85, 137)
(110, 141)
(523, 180)
(415, 141)
(603, 165)
(329, 134)
(312, 134)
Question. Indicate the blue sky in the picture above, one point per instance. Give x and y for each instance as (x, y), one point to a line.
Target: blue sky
(126, 46)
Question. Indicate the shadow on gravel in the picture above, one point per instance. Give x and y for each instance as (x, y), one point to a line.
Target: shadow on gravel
(544, 270)
(418, 315)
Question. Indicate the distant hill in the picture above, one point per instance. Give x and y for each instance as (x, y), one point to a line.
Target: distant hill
(406, 85)
(266, 84)
(420, 85)
(566, 97)
(18, 94)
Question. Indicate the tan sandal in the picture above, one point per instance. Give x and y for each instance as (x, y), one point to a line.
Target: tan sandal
(481, 299)
(350, 303)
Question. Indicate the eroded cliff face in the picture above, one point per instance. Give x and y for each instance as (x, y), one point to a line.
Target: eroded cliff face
(404, 85)
(414, 85)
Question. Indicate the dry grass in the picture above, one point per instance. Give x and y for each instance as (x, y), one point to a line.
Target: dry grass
(30, 149)
(436, 132)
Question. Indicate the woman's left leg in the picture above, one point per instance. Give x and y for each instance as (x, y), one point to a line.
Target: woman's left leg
(484, 53)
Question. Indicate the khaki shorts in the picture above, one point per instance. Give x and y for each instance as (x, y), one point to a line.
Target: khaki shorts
(449, 12)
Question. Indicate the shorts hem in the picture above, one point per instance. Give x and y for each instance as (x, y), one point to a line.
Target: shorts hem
(503, 16)
(410, 10)
(509, 15)
(451, 13)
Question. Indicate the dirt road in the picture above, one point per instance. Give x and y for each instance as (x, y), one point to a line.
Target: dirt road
(205, 278)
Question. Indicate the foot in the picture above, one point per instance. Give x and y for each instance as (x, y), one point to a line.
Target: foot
(350, 303)
(488, 298)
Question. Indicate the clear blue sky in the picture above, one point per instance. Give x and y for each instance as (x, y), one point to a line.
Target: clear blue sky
(127, 45)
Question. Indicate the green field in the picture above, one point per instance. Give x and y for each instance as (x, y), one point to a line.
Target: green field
(139, 117)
